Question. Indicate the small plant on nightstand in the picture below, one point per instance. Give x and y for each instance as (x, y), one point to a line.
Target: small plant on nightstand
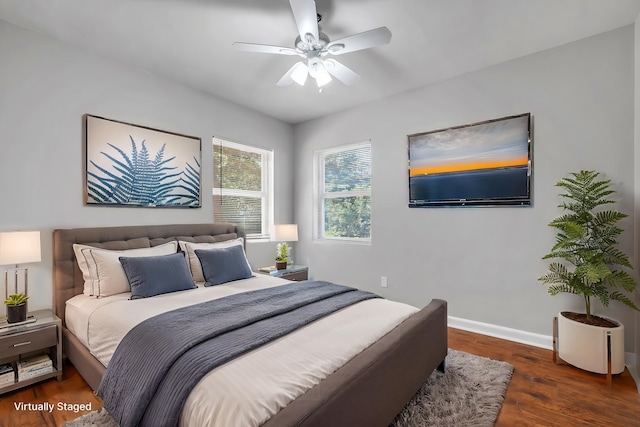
(16, 307)
(282, 256)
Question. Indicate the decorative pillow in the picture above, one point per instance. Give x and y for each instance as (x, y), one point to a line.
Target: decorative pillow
(223, 265)
(194, 263)
(88, 266)
(155, 275)
(108, 276)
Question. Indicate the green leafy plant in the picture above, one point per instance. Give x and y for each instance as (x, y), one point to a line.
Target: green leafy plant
(16, 299)
(282, 253)
(586, 241)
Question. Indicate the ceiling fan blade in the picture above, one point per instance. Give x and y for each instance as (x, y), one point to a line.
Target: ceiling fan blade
(304, 12)
(360, 41)
(341, 72)
(263, 48)
(297, 73)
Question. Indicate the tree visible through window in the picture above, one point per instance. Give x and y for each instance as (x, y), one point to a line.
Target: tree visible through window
(242, 193)
(344, 192)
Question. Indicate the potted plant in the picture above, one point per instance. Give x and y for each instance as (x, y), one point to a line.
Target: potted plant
(591, 267)
(282, 256)
(16, 308)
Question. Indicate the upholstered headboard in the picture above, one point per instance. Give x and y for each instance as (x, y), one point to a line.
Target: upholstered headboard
(67, 277)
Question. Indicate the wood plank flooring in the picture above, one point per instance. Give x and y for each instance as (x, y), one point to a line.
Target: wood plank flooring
(541, 393)
(544, 394)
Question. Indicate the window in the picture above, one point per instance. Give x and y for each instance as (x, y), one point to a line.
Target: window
(242, 186)
(343, 193)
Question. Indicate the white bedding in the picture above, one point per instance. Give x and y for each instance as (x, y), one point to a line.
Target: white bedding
(250, 389)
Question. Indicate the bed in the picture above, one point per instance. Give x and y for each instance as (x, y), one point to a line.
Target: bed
(370, 388)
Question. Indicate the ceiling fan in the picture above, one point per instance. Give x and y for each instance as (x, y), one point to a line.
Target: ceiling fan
(313, 45)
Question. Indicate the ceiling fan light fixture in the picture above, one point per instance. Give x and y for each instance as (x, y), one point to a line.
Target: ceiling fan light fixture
(318, 71)
(322, 79)
(316, 67)
(313, 46)
(300, 73)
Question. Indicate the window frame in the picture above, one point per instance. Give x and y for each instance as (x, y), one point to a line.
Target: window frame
(320, 195)
(266, 194)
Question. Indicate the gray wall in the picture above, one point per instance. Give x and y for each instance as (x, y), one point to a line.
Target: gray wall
(484, 261)
(46, 87)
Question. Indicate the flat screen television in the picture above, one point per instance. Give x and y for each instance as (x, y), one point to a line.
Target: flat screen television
(480, 164)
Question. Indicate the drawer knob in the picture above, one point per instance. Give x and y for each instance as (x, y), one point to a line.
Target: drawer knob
(20, 344)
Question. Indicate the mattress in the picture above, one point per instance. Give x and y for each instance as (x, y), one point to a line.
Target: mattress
(252, 388)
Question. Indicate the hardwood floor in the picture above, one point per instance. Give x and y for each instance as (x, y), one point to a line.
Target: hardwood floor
(544, 394)
(541, 393)
(71, 390)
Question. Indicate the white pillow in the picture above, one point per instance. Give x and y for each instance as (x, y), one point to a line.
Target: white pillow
(87, 266)
(194, 262)
(101, 269)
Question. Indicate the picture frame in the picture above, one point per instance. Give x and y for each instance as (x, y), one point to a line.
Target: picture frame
(133, 165)
(487, 163)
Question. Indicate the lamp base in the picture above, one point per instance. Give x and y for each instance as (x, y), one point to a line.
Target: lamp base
(17, 278)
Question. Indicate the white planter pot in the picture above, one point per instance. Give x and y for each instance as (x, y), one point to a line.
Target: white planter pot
(585, 346)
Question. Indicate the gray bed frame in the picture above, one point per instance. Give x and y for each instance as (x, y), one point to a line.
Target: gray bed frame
(370, 389)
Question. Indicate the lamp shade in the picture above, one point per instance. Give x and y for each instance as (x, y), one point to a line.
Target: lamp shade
(19, 247)
(285, 233)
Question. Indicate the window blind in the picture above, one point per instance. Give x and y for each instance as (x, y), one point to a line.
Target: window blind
(241, 179)
(344, 193)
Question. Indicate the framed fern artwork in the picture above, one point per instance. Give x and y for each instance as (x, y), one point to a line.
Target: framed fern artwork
(132, 165)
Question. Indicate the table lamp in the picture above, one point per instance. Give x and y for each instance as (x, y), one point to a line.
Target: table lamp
(285, 233)
(19, 247)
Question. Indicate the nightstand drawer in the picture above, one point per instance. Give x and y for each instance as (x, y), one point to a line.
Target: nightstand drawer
(297, 276)
(26, 342)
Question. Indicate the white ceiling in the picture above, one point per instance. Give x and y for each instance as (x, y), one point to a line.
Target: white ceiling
(190, 41)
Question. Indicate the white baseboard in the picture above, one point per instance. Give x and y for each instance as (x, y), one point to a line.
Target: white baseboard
(523, 337)
(630, 363)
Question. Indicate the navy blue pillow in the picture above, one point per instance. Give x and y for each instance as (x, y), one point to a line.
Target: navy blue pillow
(155, 275)
(222, 265)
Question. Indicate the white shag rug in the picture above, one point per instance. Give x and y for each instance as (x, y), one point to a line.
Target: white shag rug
(469, 394)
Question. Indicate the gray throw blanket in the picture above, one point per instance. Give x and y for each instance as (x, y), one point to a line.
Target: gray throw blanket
(159, 362)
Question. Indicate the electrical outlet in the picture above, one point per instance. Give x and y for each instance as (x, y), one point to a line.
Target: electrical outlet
(383, 281)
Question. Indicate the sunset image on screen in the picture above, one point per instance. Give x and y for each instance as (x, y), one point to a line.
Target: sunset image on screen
(488, 160)
(491, 145)
(458, 166)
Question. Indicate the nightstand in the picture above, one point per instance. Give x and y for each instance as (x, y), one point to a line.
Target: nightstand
(296, 273)
(40, 334)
